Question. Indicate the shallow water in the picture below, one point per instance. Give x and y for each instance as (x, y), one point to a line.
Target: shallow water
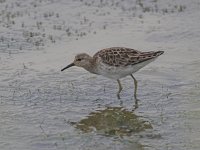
(43, 108)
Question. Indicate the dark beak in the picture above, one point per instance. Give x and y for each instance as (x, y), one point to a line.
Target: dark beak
(70, 65)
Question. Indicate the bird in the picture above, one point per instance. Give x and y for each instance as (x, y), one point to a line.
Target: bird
(115, 63)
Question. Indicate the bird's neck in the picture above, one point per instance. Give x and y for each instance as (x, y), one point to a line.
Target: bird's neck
(91, 67)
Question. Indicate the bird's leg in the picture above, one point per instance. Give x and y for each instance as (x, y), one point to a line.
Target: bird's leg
(135, 83)
(120, 88)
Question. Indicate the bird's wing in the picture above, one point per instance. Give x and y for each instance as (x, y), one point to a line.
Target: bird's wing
(119, 56)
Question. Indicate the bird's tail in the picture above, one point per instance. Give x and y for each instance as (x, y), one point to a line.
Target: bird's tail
(158, 53)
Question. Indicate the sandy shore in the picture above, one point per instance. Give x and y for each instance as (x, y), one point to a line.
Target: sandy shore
(43, 108)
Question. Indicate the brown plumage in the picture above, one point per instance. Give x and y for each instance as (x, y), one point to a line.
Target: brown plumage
(120, 56)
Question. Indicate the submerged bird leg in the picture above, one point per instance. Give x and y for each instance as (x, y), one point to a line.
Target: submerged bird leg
(120, 88)
(135, 83)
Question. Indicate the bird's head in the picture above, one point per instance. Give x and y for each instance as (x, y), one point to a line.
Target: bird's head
(81, 60)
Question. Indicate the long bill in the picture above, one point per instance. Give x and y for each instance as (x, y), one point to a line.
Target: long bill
(70, 65)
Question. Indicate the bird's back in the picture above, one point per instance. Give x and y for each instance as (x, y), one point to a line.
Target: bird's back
(120, 56)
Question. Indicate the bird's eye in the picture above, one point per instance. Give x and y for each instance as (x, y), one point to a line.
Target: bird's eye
(79, 59)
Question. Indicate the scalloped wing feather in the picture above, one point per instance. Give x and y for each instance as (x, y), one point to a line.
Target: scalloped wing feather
(120, 56)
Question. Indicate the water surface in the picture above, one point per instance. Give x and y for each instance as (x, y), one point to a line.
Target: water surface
(43, 108)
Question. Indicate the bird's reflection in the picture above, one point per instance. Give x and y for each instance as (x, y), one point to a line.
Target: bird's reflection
(113, 121)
